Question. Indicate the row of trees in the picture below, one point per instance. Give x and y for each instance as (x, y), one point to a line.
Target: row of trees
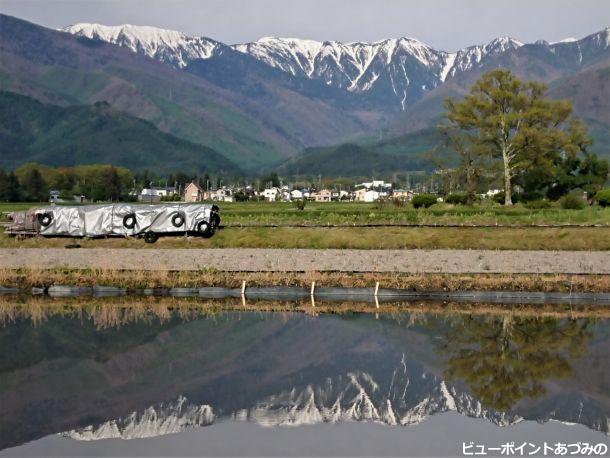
(101, 182)
(32, 182)
(508, 127)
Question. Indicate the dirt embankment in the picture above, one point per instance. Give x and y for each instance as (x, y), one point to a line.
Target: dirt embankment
(308, 260)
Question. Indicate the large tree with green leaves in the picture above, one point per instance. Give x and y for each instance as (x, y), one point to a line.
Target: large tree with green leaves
(510, 120)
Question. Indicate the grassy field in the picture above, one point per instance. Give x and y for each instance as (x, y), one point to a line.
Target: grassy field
(350, 213)
(253, 215)
(357, 238)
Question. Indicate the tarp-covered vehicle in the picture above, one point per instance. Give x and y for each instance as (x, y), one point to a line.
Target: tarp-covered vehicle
(116, 220)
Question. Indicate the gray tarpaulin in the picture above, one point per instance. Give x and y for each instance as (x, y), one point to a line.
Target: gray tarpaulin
(108, 219)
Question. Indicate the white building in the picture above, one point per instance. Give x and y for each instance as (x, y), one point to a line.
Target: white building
(154, 194)
(296, 194)
(271, 194)
(223, 194)
(368, 195)
(375, 184)
(344, 195)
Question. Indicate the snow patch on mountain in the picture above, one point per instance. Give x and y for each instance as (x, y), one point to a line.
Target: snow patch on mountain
(169, 418)
(400, 70)
(408, 397)
(168, 46)
(565, 40)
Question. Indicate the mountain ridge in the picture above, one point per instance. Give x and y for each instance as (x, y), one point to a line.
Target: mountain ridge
(31, 131)
(255, 129)
(401, 70)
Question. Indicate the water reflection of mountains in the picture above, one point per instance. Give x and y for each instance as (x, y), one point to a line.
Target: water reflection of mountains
(160, 376)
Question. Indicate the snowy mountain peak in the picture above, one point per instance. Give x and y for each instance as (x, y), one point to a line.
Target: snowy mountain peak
(505, 42)
(159, 420)
(138, 33)
(355, 396)
(396, 71)
(169, 46)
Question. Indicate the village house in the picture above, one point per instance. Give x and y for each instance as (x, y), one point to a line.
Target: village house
(271, 194)
(309, 194)
(344, 195)
(402, 194)
(378, 185)
(193, 193)
(154, 194)
(492, 193)
(324, 195)
(296, 194)
(367, 195)
(223, 194)
(372, 191)
(54, 196)
(285, 194)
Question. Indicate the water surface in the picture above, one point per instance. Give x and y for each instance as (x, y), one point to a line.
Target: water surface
(249, 383)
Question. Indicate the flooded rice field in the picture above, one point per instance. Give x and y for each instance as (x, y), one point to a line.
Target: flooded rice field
(147, 377)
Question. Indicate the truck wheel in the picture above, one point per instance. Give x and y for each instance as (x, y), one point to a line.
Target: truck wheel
(151, 237)
(205, 229)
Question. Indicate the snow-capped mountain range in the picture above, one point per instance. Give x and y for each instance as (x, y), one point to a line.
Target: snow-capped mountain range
(405, 397)
(355, 396)
(400, 69)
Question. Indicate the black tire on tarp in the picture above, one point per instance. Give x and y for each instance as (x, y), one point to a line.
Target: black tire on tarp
(178, 219)
(205, 229)
(129, 220)
(45, 219)
(151, 237)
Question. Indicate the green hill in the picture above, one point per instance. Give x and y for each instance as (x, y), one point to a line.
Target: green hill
(255, 126)
(368, 157)
(31, 131)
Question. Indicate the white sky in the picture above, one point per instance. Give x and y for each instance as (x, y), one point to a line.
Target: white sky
(443, 24)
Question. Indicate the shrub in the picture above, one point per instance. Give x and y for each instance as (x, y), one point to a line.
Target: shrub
(398, 202)
(500, 198)
(241, 196)
(603, 197)
(537, 204)
(572, 201)
(299, 204)
(423, 200)
(457, 198)
(381, 204)
(530, 196)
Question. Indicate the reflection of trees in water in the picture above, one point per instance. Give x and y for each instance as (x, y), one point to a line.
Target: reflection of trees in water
(113, 313)
(506, 359)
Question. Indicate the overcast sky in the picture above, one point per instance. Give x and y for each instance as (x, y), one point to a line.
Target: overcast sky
(443, 24)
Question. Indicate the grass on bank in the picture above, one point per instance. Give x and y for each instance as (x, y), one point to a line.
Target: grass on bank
(30, 278)
(533, 238)
(116, 312)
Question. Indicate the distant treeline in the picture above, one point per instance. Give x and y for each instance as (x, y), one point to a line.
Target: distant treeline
(99, 182)
(32, 182)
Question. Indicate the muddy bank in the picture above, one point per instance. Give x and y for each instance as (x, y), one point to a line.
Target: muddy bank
(308, 260)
